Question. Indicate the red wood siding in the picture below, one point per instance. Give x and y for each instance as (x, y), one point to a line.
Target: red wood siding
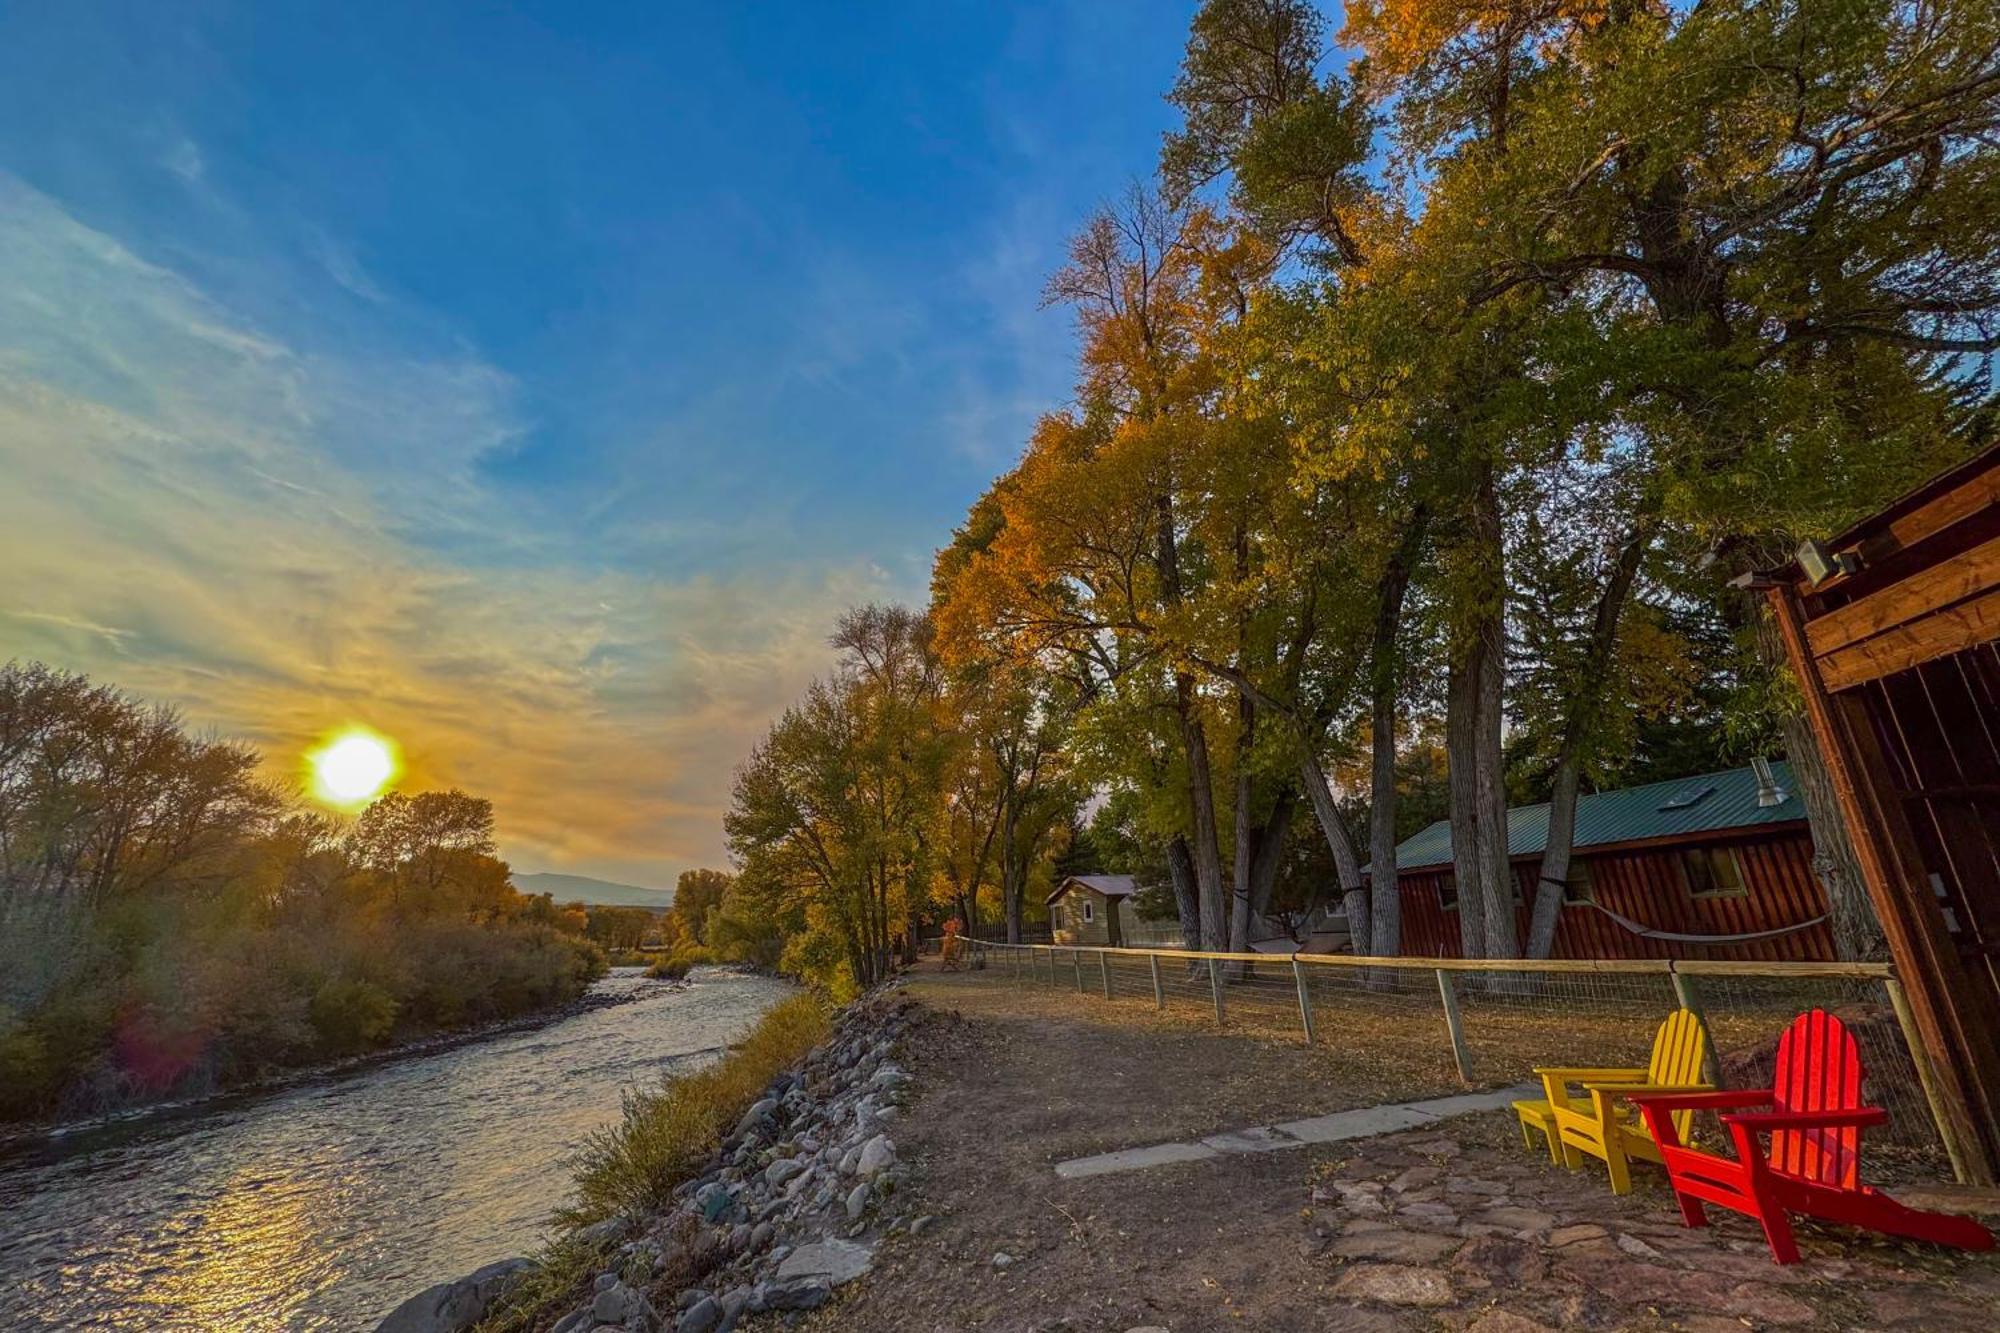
(1645, 885)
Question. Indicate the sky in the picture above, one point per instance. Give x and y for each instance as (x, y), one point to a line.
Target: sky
(530, 383)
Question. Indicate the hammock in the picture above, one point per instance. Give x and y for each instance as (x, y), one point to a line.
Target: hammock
(1649, 933)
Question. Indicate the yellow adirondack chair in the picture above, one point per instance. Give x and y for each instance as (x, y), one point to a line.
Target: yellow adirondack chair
(1601, 1122)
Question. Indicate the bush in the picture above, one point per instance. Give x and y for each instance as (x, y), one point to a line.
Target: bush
(352, 1015)
(681, 961)
(666, 1135)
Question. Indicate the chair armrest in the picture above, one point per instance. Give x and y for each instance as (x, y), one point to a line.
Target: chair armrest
(1702, 1101)
(1590, 1073)
(1766, 1121)
(1602, 1095)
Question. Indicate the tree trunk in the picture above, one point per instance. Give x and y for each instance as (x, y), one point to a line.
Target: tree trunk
(1460, 719)
(1201, 812)
(1272, 839)
(1353, 893)
(1583, 707)
(1245, 850)
(1180, 869)
(1385, 915)
(1496, 871)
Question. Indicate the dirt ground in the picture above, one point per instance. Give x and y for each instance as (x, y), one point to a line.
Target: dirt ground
(1449, 1227)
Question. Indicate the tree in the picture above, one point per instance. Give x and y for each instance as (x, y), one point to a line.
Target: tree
(696, 894)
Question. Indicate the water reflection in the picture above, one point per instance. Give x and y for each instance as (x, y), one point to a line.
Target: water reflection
(321, 1207)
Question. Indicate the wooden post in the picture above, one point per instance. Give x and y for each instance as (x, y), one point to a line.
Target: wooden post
(1454, 1025)
(1159, 991)
(1946, 1011)
(1305, 998)
(1215, 988)
(1926, 1076)
(1689, 998)
(1076, 962)
(1104, 972)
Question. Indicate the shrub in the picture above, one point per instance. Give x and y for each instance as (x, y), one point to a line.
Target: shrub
(666, 1135)
(681, 961)
(352, 1015)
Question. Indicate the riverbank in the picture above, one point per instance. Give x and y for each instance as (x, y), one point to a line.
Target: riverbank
(15, 1133)
(317, 1208)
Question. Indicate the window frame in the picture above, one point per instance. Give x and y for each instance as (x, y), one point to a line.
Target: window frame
(1573, 894)
(1447, 886)
(1089, 912)
(1708, 854)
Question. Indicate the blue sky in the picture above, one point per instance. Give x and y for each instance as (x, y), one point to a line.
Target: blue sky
(533, 382)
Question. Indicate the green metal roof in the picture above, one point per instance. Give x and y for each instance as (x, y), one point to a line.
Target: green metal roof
(1703, 804)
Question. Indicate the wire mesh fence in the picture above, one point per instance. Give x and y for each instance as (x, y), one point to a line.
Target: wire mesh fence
(1493, 1022)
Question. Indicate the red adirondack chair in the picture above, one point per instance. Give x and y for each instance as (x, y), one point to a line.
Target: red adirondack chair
(1813, 1164)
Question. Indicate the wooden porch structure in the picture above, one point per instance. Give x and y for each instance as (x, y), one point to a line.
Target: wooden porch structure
(1893, 630)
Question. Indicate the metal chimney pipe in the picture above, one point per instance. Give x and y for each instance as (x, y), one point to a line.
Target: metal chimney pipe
(1769, 793)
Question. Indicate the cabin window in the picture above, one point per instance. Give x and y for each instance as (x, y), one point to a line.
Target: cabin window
(1712, 872)
(1448, 891)
(1089, 912)
(1581, 888)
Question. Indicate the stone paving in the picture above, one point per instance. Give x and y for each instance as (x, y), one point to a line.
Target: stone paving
(1457, 1226)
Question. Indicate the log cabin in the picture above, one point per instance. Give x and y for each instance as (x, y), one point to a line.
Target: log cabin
(1718, 865)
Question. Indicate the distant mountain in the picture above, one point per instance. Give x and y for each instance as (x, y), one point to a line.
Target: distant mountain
(595, 892)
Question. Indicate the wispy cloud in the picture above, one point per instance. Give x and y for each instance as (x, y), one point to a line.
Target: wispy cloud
(205, 511)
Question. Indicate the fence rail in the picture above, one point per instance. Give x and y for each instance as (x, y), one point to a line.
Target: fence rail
(1493, 1020)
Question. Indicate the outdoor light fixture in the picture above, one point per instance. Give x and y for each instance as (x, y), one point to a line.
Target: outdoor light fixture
(1819, 565)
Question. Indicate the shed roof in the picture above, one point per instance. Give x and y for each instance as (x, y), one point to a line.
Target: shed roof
(1111, 886)
(1705, 803)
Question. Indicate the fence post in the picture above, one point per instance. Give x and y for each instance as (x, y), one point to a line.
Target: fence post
(1305, 998)
(1689, 997)
(1076, 963)
(1159, 991)
(1104, 973)
(1215, 988)
(1454, 1025)
(1926, 1076)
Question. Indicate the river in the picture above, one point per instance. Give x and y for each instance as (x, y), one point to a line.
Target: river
(323, 1205)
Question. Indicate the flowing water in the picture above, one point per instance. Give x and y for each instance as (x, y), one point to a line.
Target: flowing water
(324, 1205)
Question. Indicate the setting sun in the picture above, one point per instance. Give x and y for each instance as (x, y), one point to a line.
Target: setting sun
(352, 768)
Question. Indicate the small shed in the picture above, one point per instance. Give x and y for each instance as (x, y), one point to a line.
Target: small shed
(1088, 909)
(1893, 631)
(1716, 865)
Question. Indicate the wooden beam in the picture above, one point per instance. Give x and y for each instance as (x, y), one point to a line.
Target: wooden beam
(1939, 634)
(1951, 1016)
(1963, 575)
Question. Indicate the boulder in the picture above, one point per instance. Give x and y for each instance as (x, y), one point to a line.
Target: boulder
(452, 1307)
(876, 1155)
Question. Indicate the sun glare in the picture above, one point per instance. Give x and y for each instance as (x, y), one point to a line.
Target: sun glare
(352, 768)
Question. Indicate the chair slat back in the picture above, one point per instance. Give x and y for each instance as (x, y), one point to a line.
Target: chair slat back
(1678, 1048)
(1819, 1069)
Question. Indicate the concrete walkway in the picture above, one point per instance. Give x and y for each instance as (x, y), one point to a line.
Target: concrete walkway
(1364, 1123)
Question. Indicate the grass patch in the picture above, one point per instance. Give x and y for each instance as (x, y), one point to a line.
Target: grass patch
(668, 1134)
(682, 960)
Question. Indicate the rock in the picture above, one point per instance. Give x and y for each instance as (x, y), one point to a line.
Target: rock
(1635, 1247)
(451, 1307)
(1570, 1235)
(605, 1282)
(876, 1155)
(1511, 1217)
(1002, 1261)
(760, 1236)
(1501, 1261)
(782, 1170)
(605, 1232)
(1395, 1284)
(758, 1116)
(612, 1304)
(922, 1224)
(832, 1261)
(701, 1317)
(805, 1293)
(576, 1321)
(1403, 1247)
(857, 1201)
(1505, 1321)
